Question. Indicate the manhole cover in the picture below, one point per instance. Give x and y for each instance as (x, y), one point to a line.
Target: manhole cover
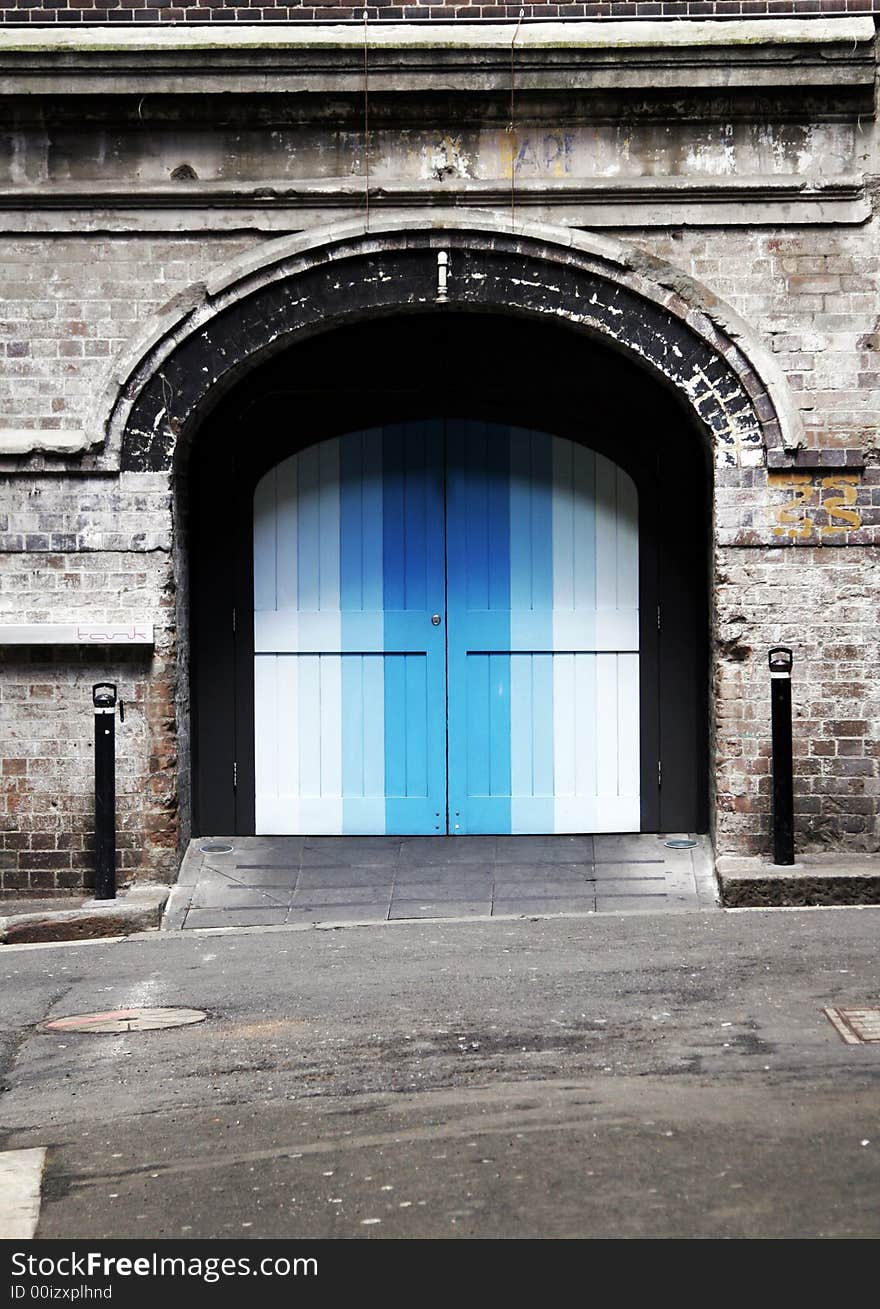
(856, 1026)
(125, 1020)
(216, 847)
(680, 845)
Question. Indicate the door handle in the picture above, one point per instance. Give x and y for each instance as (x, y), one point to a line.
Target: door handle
(435, 620)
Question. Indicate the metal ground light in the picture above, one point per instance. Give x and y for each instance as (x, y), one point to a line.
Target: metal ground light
(780, 659)
(104, 701)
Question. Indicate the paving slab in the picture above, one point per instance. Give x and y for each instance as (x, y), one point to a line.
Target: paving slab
(629, 846)
(272, 848)
(342, 913)
(237, 917)
(42, 904)
(448, 850)
(546, 889)
(318, 851)
(535, 874)
(358, 879)
(327, 895)
(630, 885)
(545, 849)
(377, 878)
(252, 877)
(549, 904)
(443, 872)
(438, 908)
(214, 896)
(620, 902)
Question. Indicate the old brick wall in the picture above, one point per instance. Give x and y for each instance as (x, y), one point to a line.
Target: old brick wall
(823, 602)
(68, 305)
(89, 549)
(812, 293)
(85, 545)
(217, 11)
(787, 569)
(796, 546)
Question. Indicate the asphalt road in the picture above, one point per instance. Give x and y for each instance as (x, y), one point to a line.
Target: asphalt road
(612, 1076)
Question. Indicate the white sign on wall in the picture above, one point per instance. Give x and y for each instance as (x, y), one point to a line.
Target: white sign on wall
(134, 633)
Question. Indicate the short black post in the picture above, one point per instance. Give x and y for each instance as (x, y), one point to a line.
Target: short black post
(783, 782)
(104, 701)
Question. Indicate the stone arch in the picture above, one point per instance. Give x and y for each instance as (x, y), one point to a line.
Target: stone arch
(284, 290)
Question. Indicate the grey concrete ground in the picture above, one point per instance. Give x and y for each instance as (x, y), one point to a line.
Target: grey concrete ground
(273, 880)
(617, 1075)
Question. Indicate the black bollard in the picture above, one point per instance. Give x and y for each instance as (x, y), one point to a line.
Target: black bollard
(104, 701)
(780, 658)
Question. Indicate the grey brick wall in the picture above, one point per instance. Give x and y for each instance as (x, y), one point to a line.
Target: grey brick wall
(796, 556)
(68, 305)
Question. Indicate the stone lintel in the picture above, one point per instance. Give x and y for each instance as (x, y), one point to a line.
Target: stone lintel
(26, 441)
(831, 53)
(791, 460)
(290, 204)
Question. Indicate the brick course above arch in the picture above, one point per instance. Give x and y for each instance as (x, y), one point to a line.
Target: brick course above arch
(296, 287)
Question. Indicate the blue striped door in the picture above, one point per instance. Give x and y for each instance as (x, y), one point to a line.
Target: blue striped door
(543, 632)
(350, 672)
(516, 712)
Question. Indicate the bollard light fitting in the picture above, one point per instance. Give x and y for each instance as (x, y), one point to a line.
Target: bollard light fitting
(780, 659)
(105, 704)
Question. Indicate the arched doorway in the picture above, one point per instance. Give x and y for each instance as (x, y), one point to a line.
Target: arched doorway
(517, 436)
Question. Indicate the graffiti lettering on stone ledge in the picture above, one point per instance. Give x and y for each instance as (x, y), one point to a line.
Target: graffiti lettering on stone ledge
(536, 155)
(816, 507)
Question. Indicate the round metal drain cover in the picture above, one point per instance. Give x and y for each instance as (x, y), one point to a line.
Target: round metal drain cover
(125, 1020)
(216, 847)
(680, 845)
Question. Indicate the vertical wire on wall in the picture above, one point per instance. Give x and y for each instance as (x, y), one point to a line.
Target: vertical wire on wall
(366, 123)
(511, 126)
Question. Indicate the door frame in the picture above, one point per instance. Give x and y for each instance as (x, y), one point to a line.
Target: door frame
(223, 662)
(445, 443)
(255, 428)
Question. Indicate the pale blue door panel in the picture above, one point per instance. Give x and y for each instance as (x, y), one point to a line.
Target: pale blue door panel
(478, 615)
(363, 743)
(415, 666)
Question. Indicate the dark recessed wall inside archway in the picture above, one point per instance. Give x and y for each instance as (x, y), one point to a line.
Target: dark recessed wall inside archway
(449, 365)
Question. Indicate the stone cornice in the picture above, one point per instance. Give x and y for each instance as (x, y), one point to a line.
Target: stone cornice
(278, 205)
(27, 441)
(837, 54)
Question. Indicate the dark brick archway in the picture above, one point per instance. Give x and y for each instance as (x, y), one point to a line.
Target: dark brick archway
(260, 310)
(287, 293)
(427, 366)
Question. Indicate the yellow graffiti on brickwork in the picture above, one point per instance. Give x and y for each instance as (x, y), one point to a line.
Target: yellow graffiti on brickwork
(794, 521)
(796, 518)
(547, 155)
(834, 505)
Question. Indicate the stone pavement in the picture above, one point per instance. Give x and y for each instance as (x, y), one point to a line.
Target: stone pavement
(304, 880)
(829, 878)
(136, 908)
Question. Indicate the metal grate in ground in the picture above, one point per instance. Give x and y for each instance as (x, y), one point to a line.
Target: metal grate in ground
(856, 1026)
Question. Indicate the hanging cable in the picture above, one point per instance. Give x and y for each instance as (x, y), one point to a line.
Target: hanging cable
(511, 126)
(366, 124)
